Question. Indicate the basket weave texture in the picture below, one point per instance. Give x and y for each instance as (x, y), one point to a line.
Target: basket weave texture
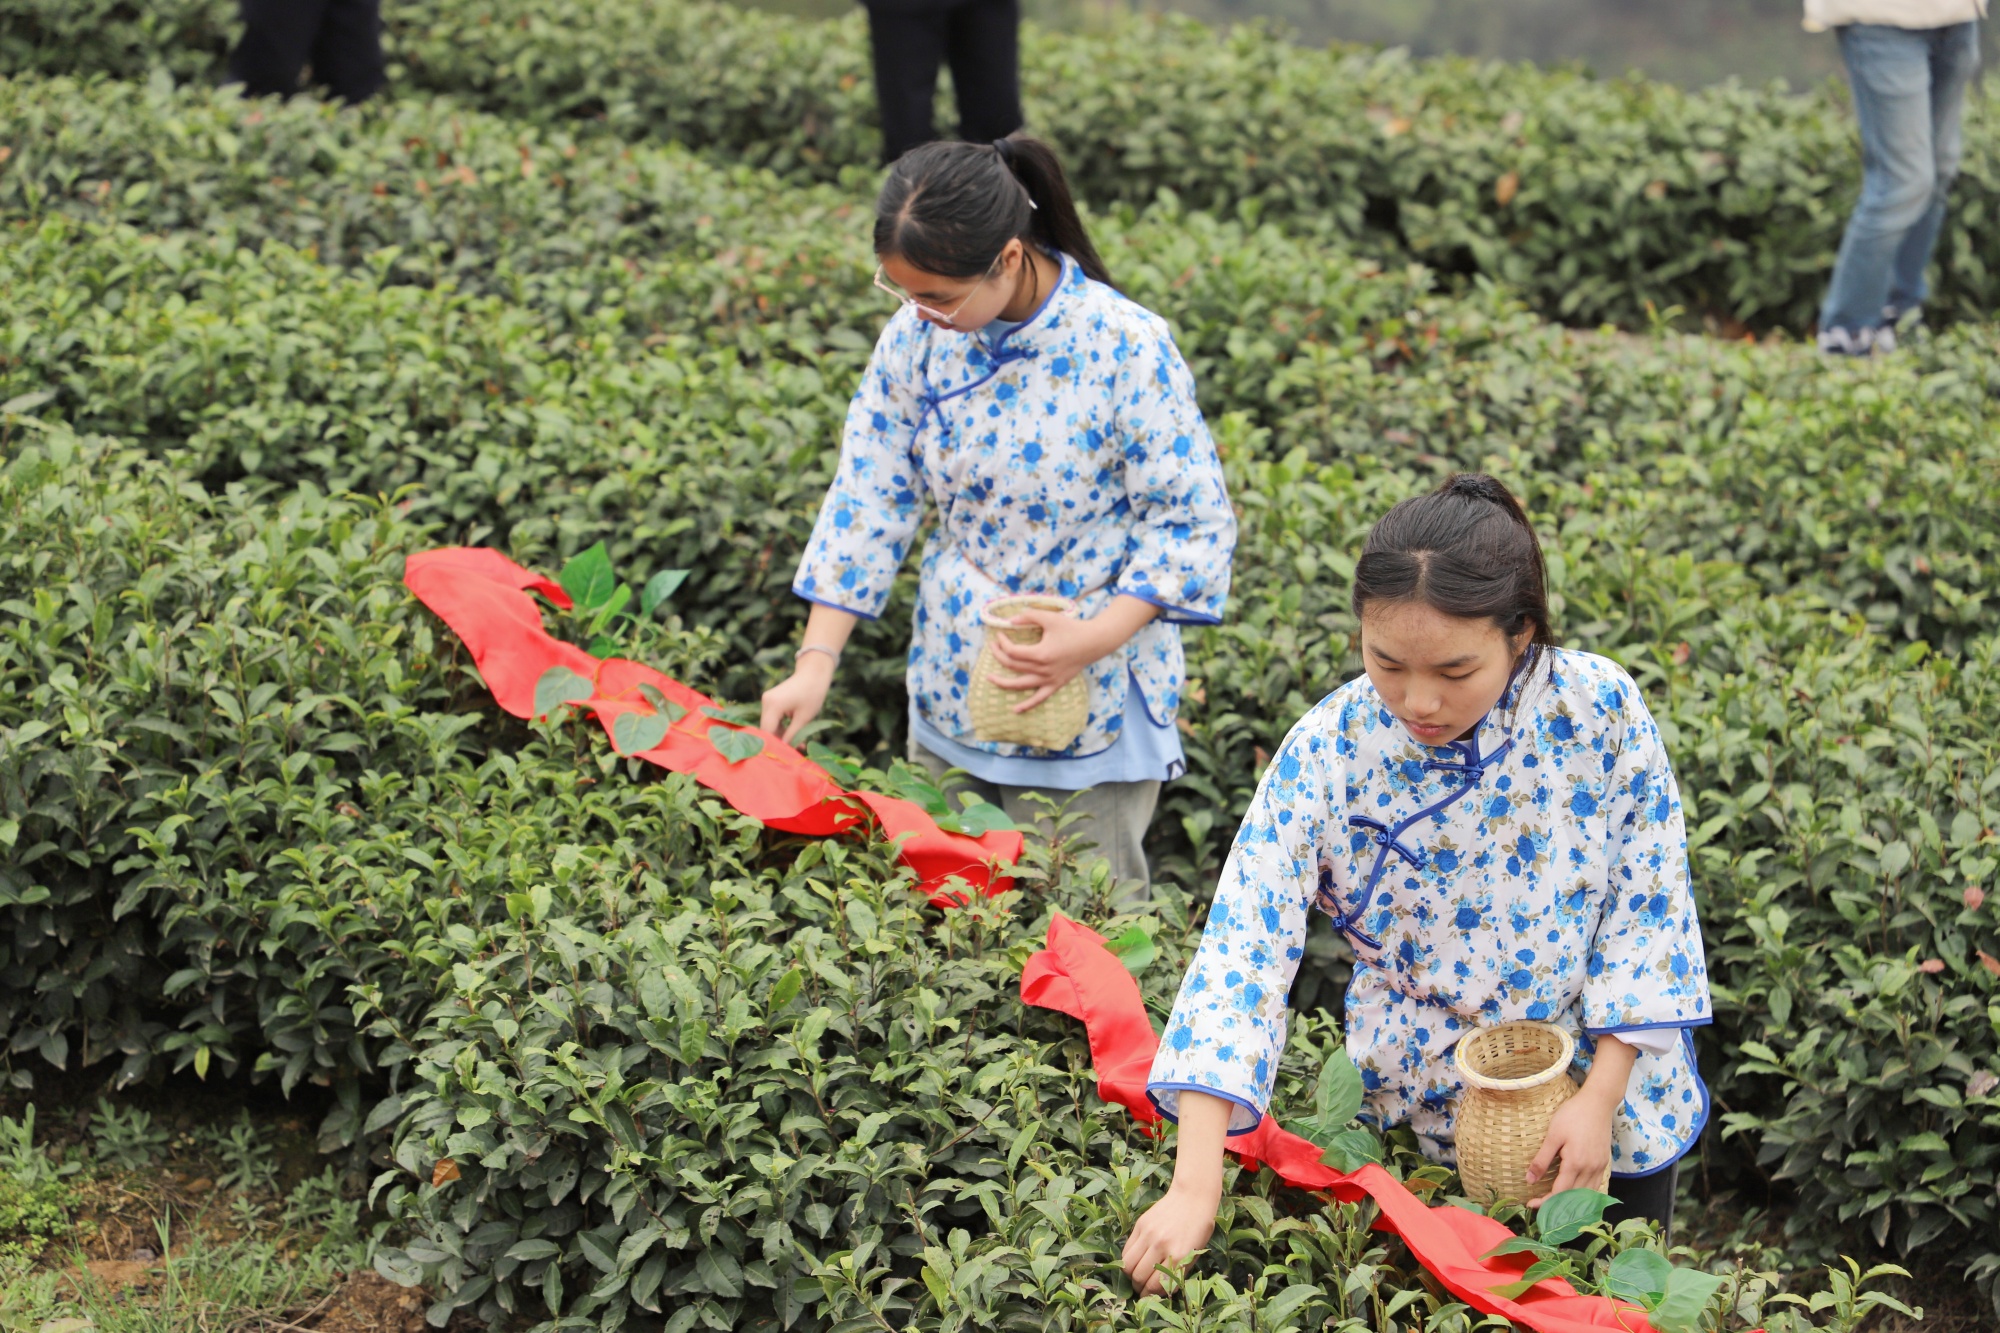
(1516, 1075)
(1055, 722)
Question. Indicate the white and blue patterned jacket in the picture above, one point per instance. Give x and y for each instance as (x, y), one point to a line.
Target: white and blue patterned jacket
(1070, 458)
(1536, 870)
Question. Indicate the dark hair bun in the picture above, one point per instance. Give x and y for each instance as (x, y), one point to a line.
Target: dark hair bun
(1467, 550)
(1478, 486)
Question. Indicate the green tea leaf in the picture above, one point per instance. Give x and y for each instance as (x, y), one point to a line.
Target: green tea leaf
(1351, 1149)
(1134, 948)
(662, 705)
(1340, 1091)
(1639, 1276)
(845, 771)
(612, 606)
(1563, 1217)
(1689, 1291)
(719, 1272)
(26, 403)
(787, 989)
(1520, 1245)
(559, 686)
(980, 816)
(694, 1040)
(659, 588)
(734, 745)
(1545, 1268)
(588, 579)
(632, 733)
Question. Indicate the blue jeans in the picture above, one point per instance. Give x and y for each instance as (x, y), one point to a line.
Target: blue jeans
(1909, 96)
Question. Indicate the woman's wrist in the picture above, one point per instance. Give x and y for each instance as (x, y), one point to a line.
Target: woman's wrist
(820, 651)
(1203, 1187)
(1610, 1072)
(815, 662)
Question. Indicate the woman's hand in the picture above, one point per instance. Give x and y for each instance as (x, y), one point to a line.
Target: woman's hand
(797, 699)
(1068, 645)
(1172, 1229)
(802, 694)
(1580, 1133)
(1181, 1223)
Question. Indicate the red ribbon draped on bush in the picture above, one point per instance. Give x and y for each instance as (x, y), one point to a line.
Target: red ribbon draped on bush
(1078, 976)
(486, 599)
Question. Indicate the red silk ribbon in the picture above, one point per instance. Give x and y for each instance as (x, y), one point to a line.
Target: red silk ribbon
(486, 599)
(1078, 976)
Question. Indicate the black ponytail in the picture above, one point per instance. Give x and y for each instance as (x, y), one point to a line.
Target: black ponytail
(950, 208)
(1465, 550)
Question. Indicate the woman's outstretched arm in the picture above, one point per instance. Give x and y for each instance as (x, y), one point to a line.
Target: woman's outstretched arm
(1180, 1224)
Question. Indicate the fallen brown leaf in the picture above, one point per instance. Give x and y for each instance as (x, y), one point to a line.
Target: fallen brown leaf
(443, 1173)
(1989, 962)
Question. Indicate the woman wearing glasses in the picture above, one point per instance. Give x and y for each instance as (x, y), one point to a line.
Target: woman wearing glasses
(1053, 424)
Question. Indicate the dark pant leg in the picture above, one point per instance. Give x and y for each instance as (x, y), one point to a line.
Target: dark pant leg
(908, 46)
(1650, 1197)
(277, 42)
(983, 44)
(347, 53)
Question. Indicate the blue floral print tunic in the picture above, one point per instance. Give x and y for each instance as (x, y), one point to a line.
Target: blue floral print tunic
(1535, 870)
(1068, 458)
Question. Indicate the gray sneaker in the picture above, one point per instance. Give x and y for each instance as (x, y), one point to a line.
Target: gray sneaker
(1879, 341)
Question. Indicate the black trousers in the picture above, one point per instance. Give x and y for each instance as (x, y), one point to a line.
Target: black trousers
(980, 39)
(1650, 1197)
(340, 39)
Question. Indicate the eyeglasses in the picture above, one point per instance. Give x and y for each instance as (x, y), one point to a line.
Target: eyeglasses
(942, 317)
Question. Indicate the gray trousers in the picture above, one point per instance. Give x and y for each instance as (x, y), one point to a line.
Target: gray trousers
(1114, 814)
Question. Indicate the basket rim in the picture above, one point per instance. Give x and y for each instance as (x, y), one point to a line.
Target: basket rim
(1557, 1069)
(1044, 601)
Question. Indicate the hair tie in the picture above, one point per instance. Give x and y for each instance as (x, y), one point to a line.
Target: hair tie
(1005, 147)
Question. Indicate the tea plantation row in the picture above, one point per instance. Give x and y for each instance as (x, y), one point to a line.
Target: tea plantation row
(1597, 199)
(530, 311)
(242, 774)
(253, 789)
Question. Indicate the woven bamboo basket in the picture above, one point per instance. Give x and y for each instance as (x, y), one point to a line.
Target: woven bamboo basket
(1052, 724)
(1516, 1075)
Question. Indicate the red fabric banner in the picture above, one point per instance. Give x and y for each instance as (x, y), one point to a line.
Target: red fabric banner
(1078, 976)
(487, 600)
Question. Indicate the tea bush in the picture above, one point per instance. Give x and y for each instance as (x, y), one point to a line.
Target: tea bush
(121, 38)
(1597, 198)
(259, 813)
(618, 249)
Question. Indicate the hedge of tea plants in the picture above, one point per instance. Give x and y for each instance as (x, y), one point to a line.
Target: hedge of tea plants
(262, 816)
(1596, 198)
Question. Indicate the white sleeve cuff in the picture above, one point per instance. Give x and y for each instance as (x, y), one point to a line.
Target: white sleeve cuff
(1653, 1041)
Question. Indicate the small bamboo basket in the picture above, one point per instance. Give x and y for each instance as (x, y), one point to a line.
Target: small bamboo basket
(1516, 1075)
(1055, 722)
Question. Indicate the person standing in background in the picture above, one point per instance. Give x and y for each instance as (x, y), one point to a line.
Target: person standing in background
(341, 40)
(1908, 62)
(981, 40)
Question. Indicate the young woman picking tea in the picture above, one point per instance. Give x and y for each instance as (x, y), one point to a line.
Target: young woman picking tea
(1053, 426)
(1492, 822)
